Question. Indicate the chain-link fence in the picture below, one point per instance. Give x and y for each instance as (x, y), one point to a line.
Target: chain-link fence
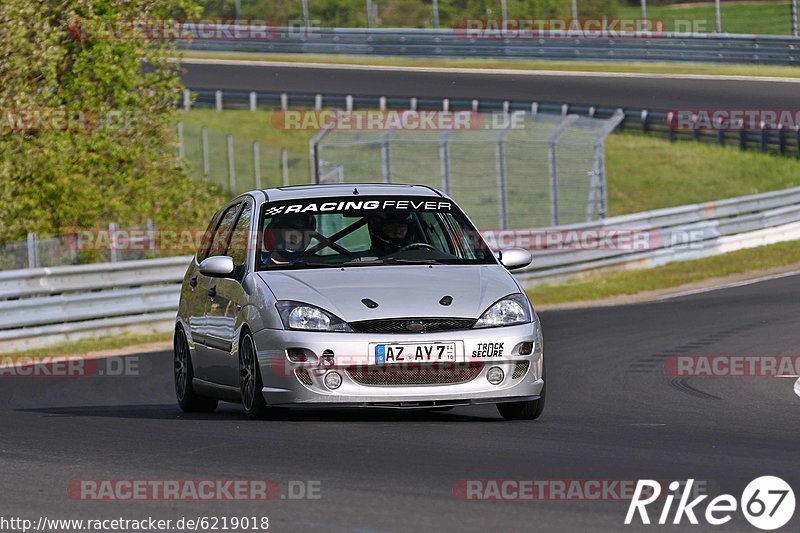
(101, 245)
(538, 170)
(238, 165)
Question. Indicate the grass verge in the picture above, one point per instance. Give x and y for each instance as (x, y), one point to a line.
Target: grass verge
(675, 68)
(631, 282)
(92, 344)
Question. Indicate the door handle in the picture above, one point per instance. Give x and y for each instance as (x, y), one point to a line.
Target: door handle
(212, 291)
(193, 282)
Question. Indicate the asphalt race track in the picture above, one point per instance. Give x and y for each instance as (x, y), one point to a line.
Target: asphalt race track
(638, 92)
(612, 414)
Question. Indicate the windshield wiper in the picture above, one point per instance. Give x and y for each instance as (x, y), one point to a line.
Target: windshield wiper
(392, 261)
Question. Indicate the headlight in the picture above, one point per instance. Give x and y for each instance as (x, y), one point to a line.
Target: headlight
(509, 311)
(297, 315)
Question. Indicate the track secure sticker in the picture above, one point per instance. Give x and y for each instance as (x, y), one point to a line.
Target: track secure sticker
(488, 349)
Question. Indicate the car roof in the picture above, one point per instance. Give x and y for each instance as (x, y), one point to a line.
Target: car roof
(348, 190)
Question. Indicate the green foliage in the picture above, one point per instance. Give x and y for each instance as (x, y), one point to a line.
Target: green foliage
(55, 176)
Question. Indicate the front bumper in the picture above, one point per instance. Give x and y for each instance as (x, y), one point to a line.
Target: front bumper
(366, 384)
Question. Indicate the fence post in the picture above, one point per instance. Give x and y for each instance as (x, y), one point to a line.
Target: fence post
(386, 157)
(446, 105)
(413, 104)
(444, 161)
(553, 166)
(257, 163)
(231, 166)
(764, 137)
(187, 100)
(112, 242)
(284, 102)
(500, 170)
(382, 103)
(474, 106)
(204, 142)
(348, 103)
(218, 100)
(33, 250)
(152, 237)
(253, 100)
(645, 115)
(285, 166)
(318, 102)
(181, 147)
(436, 14)
(313, 153)
(794, 19)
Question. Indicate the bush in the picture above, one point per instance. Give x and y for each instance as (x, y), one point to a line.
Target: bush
(56, 176)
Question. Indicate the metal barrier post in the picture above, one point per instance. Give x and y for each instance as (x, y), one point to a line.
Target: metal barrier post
(553, 166)
(218, 100)
(204, 142)
(231, 166)
(285, 167)
(257, 163)
(386, 157)
(187, 100)
(112, 242)
(33, 250)
(253, 100)
(444, 161)
(500, 169)
(181, 147)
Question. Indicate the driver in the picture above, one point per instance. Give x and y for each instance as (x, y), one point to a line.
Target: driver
(286, 237)
(390, 232)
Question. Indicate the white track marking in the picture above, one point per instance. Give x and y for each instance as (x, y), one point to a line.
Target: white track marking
(483, 71)
(726, 286)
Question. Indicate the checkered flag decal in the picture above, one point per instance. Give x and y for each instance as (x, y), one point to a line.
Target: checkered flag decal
(277, 210)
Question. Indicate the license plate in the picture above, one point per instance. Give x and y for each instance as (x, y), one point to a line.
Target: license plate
(406, 352)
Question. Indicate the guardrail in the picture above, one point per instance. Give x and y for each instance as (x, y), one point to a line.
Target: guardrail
(718, 48)
(657, 122)
(46, 305)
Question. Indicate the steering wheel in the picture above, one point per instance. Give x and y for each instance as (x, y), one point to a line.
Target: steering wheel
(417, 246)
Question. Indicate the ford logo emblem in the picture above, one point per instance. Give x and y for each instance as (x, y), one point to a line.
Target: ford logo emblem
(416, 327)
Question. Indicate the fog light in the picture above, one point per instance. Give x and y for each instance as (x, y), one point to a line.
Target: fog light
(333, 380)
(296, 355)
(525, 348)
(495, 375)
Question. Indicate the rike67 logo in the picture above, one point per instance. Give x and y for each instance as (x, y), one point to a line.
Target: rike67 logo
(767, 503)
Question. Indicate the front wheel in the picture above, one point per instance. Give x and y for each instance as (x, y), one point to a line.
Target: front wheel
(530, 410)
(250, 383)
(188, 400)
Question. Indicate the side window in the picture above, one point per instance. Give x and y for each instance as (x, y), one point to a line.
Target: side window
(219, 242)
(237, 249)
(205, 242)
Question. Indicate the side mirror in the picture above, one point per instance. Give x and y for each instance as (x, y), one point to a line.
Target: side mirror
(219, 266)
(514, 258)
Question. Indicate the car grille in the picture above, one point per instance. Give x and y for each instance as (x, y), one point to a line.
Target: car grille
(519, 369)
(303, 376)
(412, 325)
(400, 375)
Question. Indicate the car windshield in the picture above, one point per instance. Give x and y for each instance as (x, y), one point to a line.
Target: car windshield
(367, 231)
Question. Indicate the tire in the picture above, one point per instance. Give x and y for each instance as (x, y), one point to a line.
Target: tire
(522, 410)
(250, 383)
(188, 400)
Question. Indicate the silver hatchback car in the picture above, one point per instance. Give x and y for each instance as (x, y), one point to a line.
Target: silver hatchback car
(354, 296)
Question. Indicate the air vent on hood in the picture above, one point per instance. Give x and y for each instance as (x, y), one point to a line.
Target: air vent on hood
(446, 300)
(369, 303)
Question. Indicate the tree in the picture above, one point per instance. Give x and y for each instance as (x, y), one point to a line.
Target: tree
(87, 119)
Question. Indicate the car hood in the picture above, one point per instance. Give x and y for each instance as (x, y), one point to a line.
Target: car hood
(399, 291)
